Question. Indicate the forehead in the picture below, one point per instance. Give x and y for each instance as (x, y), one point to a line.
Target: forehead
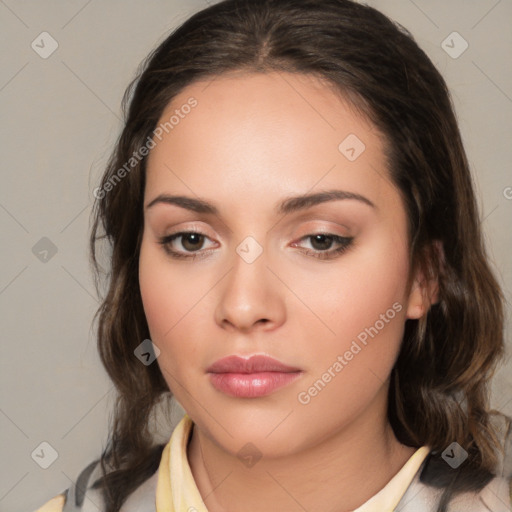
(263, 136)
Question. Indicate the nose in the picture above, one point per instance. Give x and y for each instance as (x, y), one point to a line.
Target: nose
(251, 297)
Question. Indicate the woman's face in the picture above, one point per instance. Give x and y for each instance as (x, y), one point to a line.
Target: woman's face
(318, 285)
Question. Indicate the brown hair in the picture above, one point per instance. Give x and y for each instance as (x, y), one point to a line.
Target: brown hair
(439, 385)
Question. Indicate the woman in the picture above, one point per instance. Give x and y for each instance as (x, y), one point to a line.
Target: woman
(297, 258)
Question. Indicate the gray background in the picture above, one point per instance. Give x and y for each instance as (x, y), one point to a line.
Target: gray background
(60, 118)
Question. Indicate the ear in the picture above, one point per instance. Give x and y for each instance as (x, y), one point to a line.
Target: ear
(425, 284)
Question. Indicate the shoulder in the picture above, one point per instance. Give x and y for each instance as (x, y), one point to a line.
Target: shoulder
(82, 497)
(430, 489)
(73, 498)
(56, 504)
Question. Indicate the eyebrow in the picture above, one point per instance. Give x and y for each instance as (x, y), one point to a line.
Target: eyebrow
(289, 205)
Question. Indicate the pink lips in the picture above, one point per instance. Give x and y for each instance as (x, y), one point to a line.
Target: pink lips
(250, 378)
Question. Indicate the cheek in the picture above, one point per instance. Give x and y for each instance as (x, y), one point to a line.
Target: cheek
(352, 295)
(168, 298)
(167, 294)
(363, 307)
(366, 311)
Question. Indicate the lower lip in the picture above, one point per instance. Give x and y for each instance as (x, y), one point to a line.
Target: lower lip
(251, 385)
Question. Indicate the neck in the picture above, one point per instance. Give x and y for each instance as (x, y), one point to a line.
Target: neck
(337, 474)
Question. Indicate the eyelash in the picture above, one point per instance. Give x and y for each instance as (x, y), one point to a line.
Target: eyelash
(345, 243)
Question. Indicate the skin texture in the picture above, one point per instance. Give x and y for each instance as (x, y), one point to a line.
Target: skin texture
(252, 141)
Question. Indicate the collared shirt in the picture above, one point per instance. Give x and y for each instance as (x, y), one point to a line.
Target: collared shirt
(176, 489)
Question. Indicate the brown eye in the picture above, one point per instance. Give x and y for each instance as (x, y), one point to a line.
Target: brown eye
(192, 241)
(322, 243)
(186, 244)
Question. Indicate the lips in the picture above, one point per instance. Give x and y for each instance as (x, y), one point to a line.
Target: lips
(255, 364)
(255, 377)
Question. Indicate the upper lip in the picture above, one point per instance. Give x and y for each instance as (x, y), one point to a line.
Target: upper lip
(254, 364)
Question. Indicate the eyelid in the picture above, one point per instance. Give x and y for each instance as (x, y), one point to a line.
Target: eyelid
(184, 227)
(327, 227)
(344, 243)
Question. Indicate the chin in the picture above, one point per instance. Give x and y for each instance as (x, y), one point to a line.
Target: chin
(272, 428)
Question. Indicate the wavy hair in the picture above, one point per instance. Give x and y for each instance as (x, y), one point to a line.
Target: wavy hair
(439, 386)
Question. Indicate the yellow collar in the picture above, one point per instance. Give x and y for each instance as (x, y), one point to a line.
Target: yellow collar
(177, 491)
